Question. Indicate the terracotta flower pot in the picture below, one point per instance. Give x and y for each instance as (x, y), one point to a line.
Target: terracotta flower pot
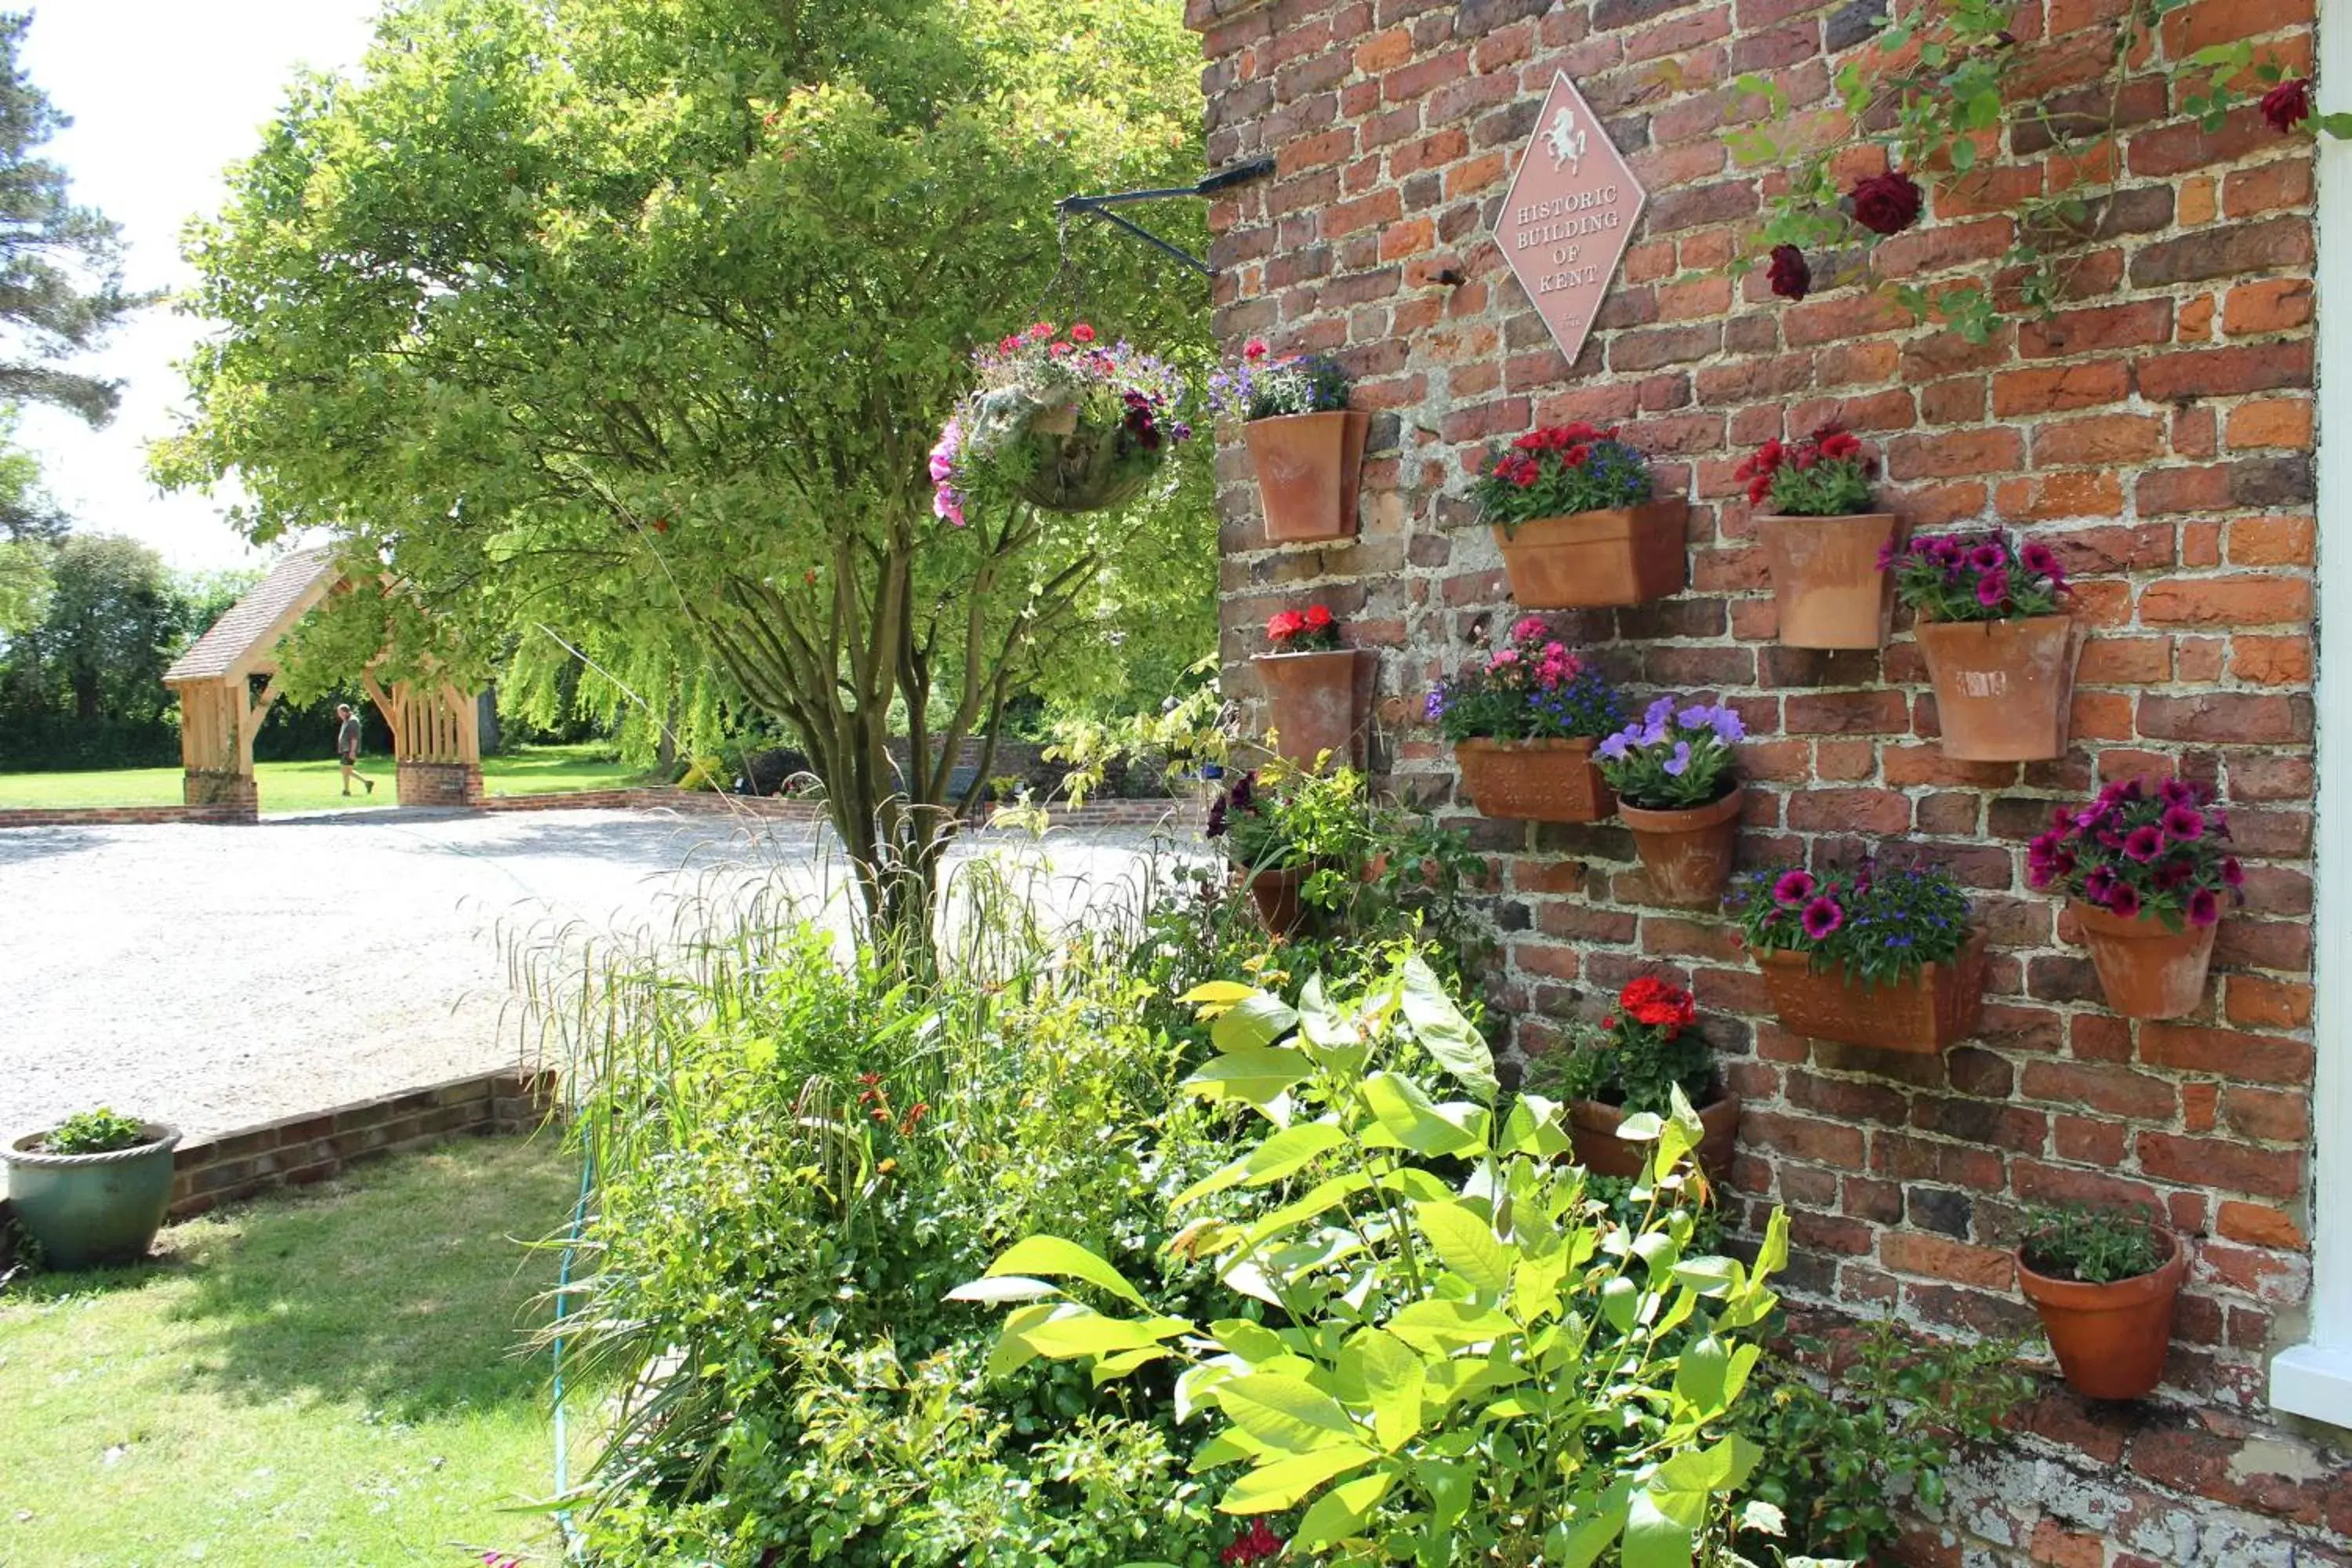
(2146, 971)
(1588, 560)
(1275, 893)
(1592, 1131)
(1534, 781)
(1308, 467)
(2110, 1340)
(2002, 688)
(1687, 854)
(1825, 577)
(1311, 702)
(1936, 1006)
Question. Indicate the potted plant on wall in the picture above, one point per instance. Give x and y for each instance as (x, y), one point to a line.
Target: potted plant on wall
(1677, 787)
(1311, 686)
(1305, 442)
(1297, 838)
(1574, 511)
(1064, 422)
(2146, 871)
(94, 1189)
(1524, 724)
(1823, 545)
(2104, 1283)
(2000, 648)
(1888, 959)
(1630, 1065)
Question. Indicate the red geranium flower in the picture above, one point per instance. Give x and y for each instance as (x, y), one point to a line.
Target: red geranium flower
(1317, 617)
(1081, 333)
(1286, 624)
(1253, 348)
(1654, 1002)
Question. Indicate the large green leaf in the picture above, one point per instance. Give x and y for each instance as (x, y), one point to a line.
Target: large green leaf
(1341, 1511)
(1068, 1332)
(1699, 1374)
(1270, 1488)
(1392, 1379)
(1653, 1540)
(1054, 1258)
(1257, 1076)
(1442, 1030)
(1257, 1020)
(1466, 1246)
(1413, 1120)
(1288, 1414)
(1442, 1327)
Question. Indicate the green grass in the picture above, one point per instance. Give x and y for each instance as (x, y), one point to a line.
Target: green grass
(318, 786)
(332, 1378)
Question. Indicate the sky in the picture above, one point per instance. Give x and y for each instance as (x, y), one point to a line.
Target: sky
(164, 95)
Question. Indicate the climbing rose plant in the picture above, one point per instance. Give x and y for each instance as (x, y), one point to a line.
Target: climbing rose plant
(1945, 91)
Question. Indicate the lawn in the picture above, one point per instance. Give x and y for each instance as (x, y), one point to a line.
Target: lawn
(318, 786)
(325, 1379)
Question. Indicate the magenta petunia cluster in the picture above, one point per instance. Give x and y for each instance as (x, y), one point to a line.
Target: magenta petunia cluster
(1976, 577)
(2141, 851)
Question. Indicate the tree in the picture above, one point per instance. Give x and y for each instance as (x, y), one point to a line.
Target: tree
(111, 624)
(60, 265)
(24, 586)
(637, 315)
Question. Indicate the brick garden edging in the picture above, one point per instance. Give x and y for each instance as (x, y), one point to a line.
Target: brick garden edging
(114, 815)
(296, 1151)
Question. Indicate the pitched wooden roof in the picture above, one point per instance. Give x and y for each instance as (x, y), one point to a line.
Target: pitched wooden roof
(243, 639)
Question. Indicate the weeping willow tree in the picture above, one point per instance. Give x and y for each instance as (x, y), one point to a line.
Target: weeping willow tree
(638, 320)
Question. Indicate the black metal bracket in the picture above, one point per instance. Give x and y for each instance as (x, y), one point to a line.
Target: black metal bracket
(1224, 179)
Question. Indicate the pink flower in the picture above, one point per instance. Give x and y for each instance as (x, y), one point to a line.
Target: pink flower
(1081, 333)
(1821, 917)
(2184, 822)
(1992, 589)
(1794, 888)
(2233, 874)
(2123, 901)
(1528, 627)
(1255, 349)
(2143, 843)
(2204, 907)
(1502, 659)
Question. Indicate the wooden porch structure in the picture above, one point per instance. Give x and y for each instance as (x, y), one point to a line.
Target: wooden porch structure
(228, 681)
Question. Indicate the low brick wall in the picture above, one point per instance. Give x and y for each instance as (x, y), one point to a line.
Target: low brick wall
(115, 815)
(1180, 816)
(299, 1149)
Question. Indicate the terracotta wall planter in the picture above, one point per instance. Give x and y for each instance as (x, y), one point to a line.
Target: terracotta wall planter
(1307, 467)
(1595, 559)
(1825, 578)
(1275, 893)
(2146, 971)
(1688, 855)
(1310, 701)
(1534, 781)
(1924, 1015)
(2002, 688)
(2110, 1340)
(1592, 1129)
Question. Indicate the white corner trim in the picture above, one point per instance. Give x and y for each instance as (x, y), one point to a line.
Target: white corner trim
(2314, 1379)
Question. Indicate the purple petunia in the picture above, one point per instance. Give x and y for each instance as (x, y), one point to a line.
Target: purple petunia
(2184, 822)
(1992, 588)
(2099, 884)
(2204, 907)
(1821, 917)
(1988, 556)
(2233, 875)
(1617, 745)
(1679, 764)
(2143, 843)
(2123, 901)
(1794, 888)
(2042, 561)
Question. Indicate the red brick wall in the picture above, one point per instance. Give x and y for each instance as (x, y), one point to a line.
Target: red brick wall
(2157, 432)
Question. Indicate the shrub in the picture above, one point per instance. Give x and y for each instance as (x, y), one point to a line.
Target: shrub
(1490, 1372)
(1824, 475)
(100, 1131)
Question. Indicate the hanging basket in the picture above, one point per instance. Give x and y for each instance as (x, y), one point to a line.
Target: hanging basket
(1089, 468)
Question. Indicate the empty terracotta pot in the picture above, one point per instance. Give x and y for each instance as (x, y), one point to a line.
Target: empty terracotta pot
(1307, 471)
(1592, 1131)
(1825, 578)
(1534, 781)
(2146, 971)
(1588, 560)
(1275, 893)
(1687, 854)
(2110, 1340)
(1937, 1006)
(2002, 688)
(1310, 702)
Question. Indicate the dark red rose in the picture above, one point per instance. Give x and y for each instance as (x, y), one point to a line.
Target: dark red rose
(2287, 105)
(1791, 275)
(1887, 203)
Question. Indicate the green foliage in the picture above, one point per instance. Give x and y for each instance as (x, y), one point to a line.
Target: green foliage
(1893, 1414)
(1878, 927)
(100, 1131)
(2094, 1246)
(24, 586)
(641, 316)
(1437, 1345)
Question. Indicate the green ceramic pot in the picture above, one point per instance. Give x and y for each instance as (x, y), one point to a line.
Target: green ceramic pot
(91, 1209)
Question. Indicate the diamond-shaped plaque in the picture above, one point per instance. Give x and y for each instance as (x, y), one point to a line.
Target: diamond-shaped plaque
(1570, 215)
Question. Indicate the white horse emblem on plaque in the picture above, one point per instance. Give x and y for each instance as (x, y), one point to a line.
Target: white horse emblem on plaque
(1566, 138)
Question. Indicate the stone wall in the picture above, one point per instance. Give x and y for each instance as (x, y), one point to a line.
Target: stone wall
(2156, 431)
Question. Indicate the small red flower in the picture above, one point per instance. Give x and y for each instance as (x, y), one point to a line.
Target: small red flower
(1041, 332)
(1284, 624)
(1654, 1002)
(1317, 617)
(1887, 203)
(1255, 349)
(2287, 105)
(1081, 333)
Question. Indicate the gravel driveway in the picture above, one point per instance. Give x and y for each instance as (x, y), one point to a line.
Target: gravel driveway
(220, 977)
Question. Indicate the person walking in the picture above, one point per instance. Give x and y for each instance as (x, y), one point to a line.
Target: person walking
(347, 747)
